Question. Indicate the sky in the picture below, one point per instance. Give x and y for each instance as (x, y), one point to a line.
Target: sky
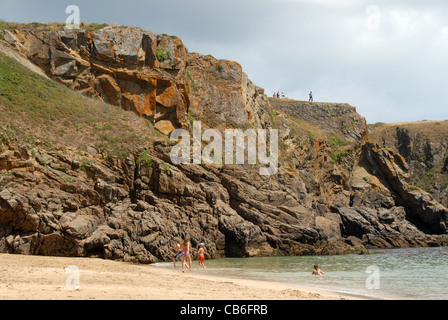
(389, 58)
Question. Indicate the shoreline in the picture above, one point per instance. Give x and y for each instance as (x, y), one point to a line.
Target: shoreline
(27, 277)
(327, 294)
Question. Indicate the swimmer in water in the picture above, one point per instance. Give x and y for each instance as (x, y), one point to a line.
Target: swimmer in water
(317, 271)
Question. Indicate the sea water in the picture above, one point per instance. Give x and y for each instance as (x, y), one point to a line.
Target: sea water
(406, 273)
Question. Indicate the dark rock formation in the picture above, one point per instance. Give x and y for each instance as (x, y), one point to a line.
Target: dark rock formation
(335, 192)
(133, 212)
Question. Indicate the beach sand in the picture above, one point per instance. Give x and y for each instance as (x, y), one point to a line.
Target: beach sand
(25, 277)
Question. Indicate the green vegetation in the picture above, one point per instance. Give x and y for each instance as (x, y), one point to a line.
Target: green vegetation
(146, 158)
(32, 26)
(24, 92)
(50, 26)
(191, 84)
(273, 120)
(338, 144)
(37, 111)
(166, 166)
(428, 179)
(154, 131)
(188, 74)
(338, 154)
(414, 188)
(376, 125)
(85, 162)
(336, 141)
(92, 26)
(104, 127)
(161, 54)
(311, 135)
(190, 116)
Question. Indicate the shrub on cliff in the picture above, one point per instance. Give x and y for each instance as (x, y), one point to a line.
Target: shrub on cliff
(161, 54)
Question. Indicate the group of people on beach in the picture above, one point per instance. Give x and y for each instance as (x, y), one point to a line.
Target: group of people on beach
(183, 251)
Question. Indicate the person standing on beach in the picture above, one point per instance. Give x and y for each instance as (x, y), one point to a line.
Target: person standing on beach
(185, 247)
(178, 251)
(201, 253)
(317, 271)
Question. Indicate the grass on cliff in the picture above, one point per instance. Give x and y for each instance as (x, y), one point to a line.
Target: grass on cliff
(431, 130)
(38, 111)
(49, 26)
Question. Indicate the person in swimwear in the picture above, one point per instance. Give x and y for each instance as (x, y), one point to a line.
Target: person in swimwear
(201, 253)
(178, 251)
(317, 271)
(185, 247)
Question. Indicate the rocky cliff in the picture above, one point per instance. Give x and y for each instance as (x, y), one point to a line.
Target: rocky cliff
(424, 145)
(85, 177)
(128, 67)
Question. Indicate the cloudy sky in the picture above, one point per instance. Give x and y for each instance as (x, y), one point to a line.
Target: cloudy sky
(389, 58)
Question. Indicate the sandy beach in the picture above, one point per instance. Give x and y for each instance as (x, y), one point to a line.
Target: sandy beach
(24, 277)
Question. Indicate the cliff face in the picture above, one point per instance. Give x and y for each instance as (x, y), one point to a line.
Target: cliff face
(365, 183)
(151, 75)
(222, 96)
(335, 192)
(128, 67)
(340, 118)
(424, 145)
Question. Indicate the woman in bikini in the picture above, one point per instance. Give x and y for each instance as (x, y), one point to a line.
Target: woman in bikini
(185, 247)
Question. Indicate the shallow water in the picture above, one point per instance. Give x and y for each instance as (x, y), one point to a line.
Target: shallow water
(409, 273)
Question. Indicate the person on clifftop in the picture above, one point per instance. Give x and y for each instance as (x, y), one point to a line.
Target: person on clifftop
(311, 96)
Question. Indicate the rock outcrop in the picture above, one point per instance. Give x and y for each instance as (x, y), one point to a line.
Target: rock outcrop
(341, 118)
(388, 212)
(424, 146)
(131, 211)
(335, 192)
(128, 67)
(222, 96)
